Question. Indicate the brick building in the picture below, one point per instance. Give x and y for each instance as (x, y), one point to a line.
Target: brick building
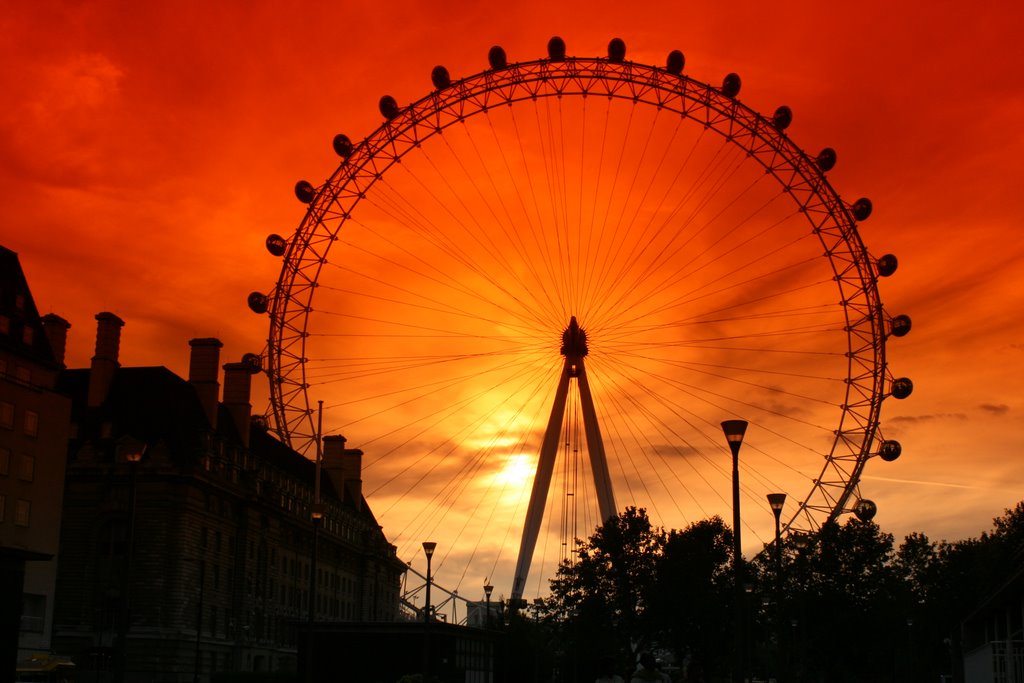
(33, 444)
(186, 548)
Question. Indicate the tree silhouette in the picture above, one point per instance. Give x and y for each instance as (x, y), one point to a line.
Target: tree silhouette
(845, 604)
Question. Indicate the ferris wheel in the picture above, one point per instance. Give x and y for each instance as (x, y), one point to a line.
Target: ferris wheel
(581, 266)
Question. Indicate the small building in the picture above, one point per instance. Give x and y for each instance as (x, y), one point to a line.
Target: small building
(33, 445)
(993, 635)
(187, 543)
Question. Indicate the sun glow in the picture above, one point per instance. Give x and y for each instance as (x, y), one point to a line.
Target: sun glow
(516, 472)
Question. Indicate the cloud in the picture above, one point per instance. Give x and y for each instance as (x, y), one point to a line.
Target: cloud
(995, 409)
(914, 419)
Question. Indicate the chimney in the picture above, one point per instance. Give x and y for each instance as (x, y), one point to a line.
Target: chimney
(203, 367)
(56, 329)
(344, 467)
(237, 383)
(104, 363)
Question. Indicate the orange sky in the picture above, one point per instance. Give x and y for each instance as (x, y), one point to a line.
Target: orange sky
(146, 152)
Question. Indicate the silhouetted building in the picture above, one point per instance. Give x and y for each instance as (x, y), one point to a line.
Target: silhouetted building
(33, 444)
(187, 536)
(993, 635)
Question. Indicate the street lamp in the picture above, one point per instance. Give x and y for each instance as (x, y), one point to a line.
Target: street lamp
(777, 501)
(488, 589)
(734, 431)
(316, 516)
(428, 549)
(132, 450)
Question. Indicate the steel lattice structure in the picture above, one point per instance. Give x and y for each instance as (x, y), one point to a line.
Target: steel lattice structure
(762, 138)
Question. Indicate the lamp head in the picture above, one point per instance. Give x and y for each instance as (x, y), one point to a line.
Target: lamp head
(776, 501)
(734, 431)
(428, 548)
(488, 588)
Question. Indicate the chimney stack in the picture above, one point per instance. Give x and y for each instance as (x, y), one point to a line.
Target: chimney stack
(237, 385)
(104, 363)
(203, 366)
(56, 329)
(344, 467)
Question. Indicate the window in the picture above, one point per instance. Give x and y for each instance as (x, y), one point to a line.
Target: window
(5, 324)
(6, 415)
(5, 462)
(22, 512)
(31, 423)
(26, 467)
(27, 335)
(23, 374)
(3, 507)
(33, 613)
(19, 302)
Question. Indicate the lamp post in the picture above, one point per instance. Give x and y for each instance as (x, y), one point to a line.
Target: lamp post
(488, 589)
(132, 450)
(734, 431)
(316, 515)
(777, 501)
(428, 550)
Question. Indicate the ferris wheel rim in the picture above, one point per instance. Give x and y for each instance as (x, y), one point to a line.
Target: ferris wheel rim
(405, 128)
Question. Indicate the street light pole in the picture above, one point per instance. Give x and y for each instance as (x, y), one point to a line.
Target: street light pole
(777, 501)
(316, 516)
(734, 431)
(133, 451)
(428, 549)
(488, 588)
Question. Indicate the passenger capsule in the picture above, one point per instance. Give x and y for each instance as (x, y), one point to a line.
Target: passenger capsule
(731, 85)
(276, 244)
(254, 362)
(782, 117)
(342, 146)
(257, 302)
(496, 57)
(440, 78)
(861, 209)
(890, 450)
(901, 325)
(826, 159)
(388, 107)
(902, 387)
(887, 265)
(616, 51)
(675, 63)
(556, 49)
(305, 191)
(865, 510)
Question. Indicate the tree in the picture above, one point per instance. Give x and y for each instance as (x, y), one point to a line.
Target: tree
(694, 588)
(838, 591)
(603, 597)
